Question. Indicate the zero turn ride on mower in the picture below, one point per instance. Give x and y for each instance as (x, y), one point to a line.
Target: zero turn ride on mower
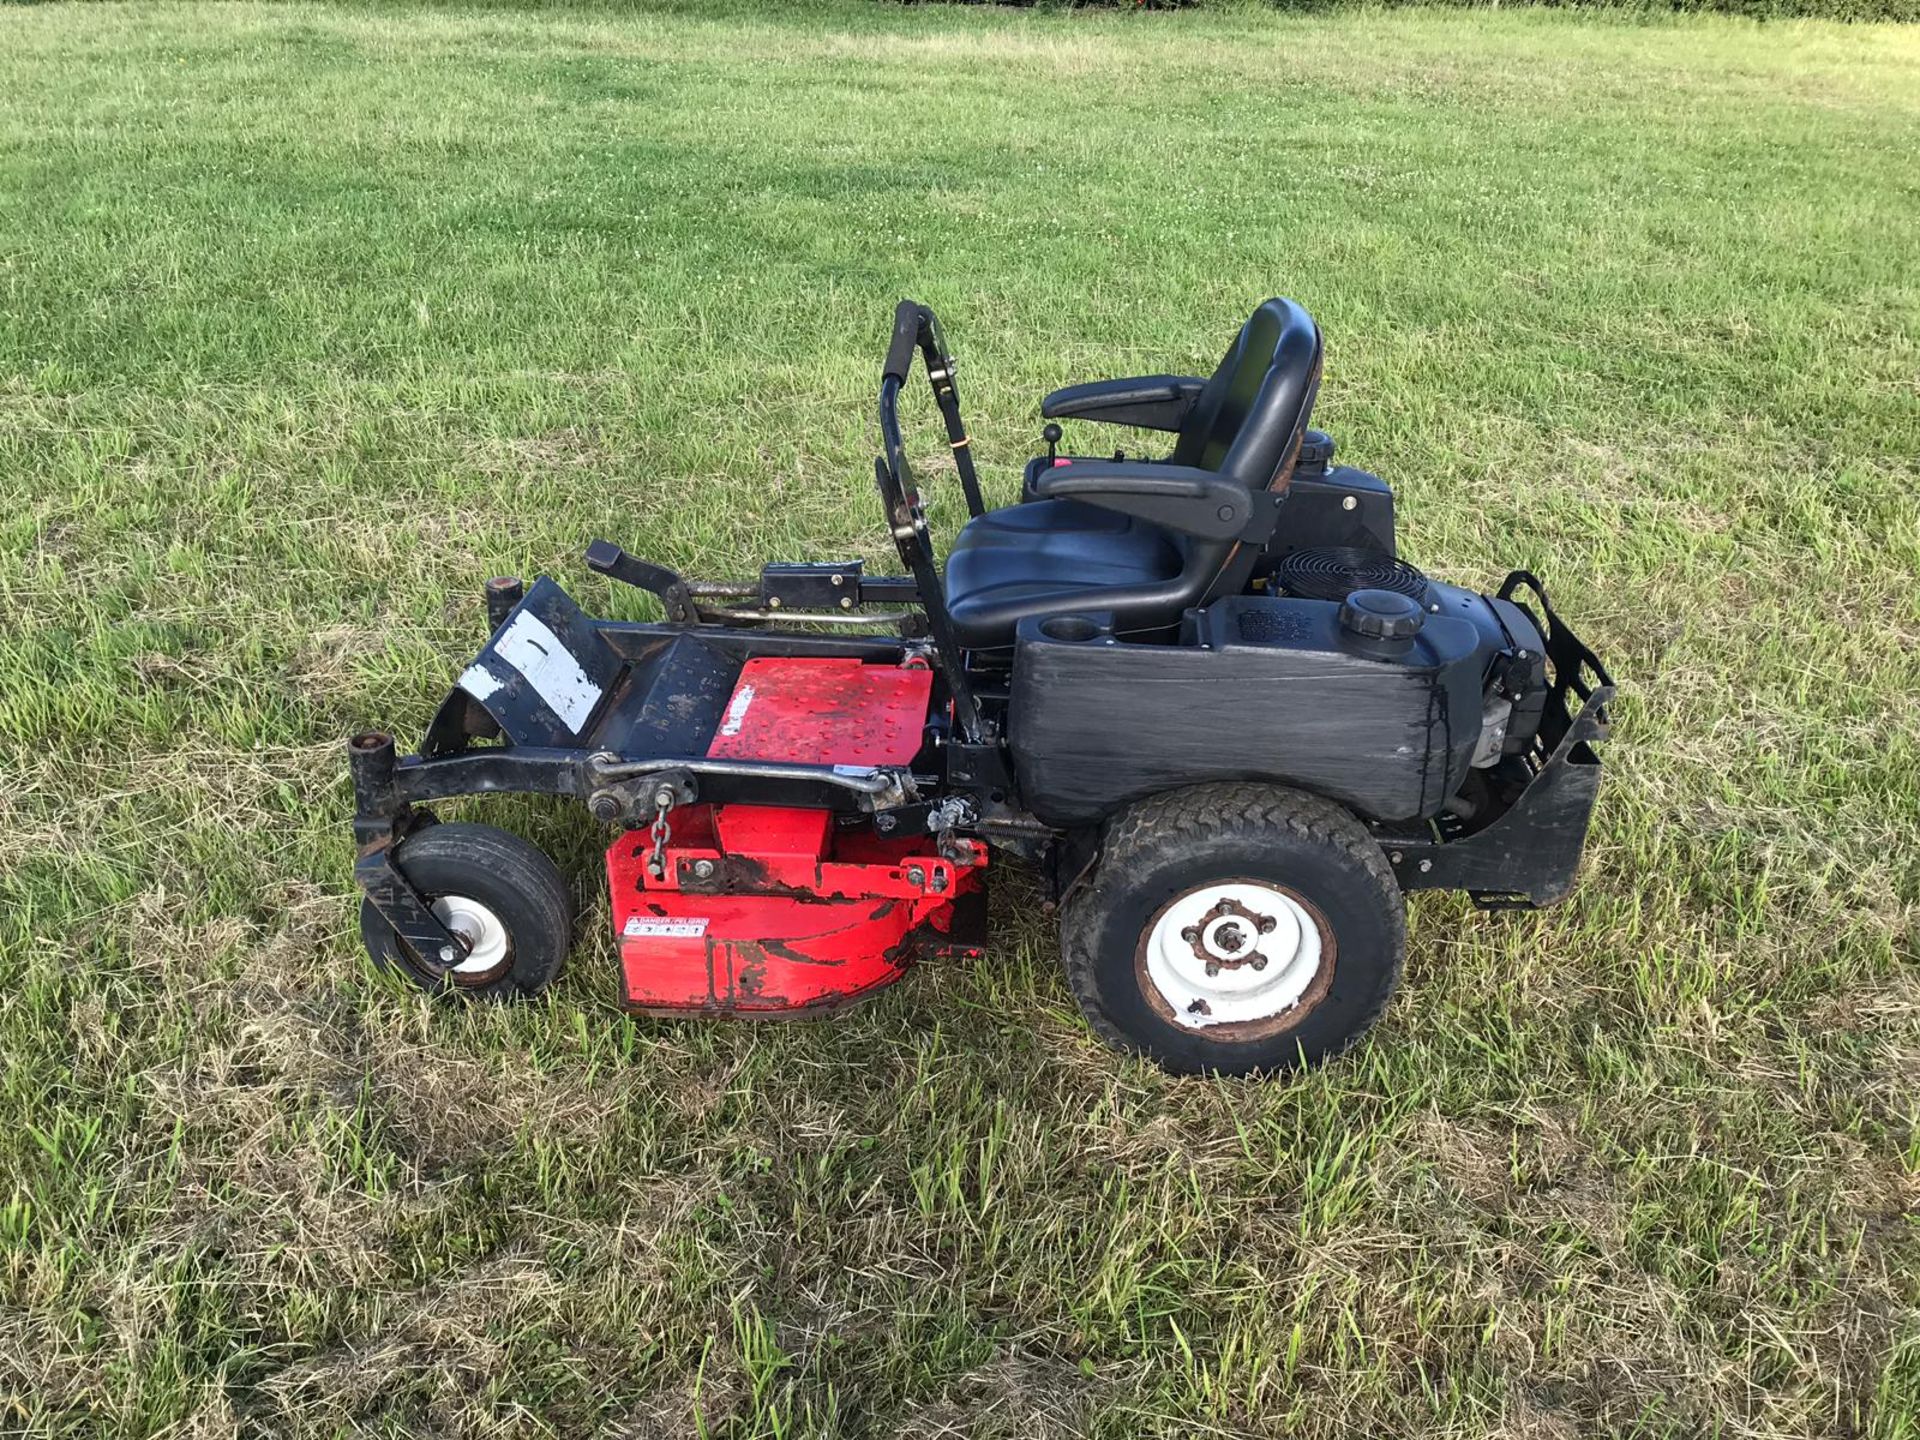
(1202, 694)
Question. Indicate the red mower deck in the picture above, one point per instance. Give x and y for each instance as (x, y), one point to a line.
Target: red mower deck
(812, 915)
(759, 909)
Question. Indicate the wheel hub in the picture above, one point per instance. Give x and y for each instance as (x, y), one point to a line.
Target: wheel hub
(483, 933)
(1236, 953)
(1228, 936)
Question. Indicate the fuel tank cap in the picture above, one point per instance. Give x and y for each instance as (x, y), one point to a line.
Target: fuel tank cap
(1382, 615)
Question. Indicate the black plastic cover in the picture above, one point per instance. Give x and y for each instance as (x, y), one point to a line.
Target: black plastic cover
(1334, 506)
(1270, 689)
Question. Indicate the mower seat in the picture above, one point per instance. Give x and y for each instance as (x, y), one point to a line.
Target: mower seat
(1143, 557)
(1046, 556)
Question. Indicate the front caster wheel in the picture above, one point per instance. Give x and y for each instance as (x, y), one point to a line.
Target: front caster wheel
(1235, 929)
(498, 893)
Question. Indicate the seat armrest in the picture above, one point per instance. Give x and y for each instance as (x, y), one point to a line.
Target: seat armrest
(1200, 503)
(1152, 402)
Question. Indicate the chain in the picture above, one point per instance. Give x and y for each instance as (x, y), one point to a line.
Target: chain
(661, 833)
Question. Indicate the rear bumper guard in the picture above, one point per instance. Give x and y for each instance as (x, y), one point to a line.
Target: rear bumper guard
(1523, 850)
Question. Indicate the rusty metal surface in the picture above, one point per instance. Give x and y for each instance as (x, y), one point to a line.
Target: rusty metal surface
(824, 712)
(766, 911)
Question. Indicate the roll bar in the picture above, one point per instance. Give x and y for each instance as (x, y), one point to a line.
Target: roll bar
(914, 326)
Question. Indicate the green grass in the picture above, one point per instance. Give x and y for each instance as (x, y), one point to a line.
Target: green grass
(311, 318)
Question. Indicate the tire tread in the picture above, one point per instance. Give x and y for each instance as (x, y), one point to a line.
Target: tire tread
(506, 859)
(1180, 819)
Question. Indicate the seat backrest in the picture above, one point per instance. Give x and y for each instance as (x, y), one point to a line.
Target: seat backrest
(1248, 421)
(1248, 424)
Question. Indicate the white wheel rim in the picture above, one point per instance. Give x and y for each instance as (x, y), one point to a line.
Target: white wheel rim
(1234, 953)
(483, 932)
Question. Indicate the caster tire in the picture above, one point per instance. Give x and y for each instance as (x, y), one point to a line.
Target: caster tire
(1234, 929)
(499, 893)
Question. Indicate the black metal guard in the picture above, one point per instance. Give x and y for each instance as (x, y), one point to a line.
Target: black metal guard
(1576, 669)
(1523, 853)
(914, 325)
(908, 521)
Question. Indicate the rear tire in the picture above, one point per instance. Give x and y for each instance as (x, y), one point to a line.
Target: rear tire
(1235, 930)
(499, 893)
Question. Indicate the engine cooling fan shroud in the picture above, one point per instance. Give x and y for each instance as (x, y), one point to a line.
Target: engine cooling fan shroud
(1333, 572)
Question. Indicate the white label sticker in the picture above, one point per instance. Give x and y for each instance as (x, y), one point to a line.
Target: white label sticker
(737, 711)
(479, 682)
(641, 925)
(556, 677)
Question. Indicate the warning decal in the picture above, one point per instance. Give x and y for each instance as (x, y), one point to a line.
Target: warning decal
(641, 926)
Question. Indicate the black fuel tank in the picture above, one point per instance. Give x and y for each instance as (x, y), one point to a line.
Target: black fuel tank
(1261, 688)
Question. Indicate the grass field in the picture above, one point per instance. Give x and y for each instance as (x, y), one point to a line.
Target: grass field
(312, 318)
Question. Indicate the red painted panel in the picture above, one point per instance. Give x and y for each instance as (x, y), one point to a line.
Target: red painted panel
(824, 712)
(800, 926)
(765, 953)
(772, 830)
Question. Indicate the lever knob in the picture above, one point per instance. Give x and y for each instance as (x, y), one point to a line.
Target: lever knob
(1051, 433)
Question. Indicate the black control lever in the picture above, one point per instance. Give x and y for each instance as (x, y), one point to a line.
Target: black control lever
(616, 564)
(1051, 433)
